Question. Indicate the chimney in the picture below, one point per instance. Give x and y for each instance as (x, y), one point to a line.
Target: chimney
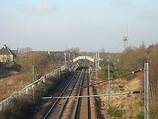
(5, 46)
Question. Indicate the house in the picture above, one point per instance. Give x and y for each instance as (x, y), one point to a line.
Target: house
(7, 55)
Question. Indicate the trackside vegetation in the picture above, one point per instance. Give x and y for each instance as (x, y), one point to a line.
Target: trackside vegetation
(131, 59)
(23, 107)
(115, 112)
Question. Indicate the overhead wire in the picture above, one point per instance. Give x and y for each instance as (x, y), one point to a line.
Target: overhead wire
(133, 72)
(132, 92)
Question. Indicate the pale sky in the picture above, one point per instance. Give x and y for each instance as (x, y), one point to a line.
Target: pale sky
(55, 25)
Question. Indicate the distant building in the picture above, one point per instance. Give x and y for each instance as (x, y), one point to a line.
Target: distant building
(7, 55)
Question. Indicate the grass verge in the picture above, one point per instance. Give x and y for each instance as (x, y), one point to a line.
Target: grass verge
(115, 112)
(23, 107)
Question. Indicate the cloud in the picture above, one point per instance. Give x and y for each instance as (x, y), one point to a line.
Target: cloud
(120, 3)
(147, 16)
(40, 7)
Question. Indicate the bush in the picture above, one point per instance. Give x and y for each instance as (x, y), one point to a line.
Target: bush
(154, 113)
(140, 116)
(141, 103)
(18, 109)
(115, 112)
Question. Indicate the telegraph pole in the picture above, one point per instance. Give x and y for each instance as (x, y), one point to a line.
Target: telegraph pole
(33, 79)
(98, 59)
(108, 85)
(96, 65)
(109, 80)
(59, 69)
(65, 57)
(146, 91)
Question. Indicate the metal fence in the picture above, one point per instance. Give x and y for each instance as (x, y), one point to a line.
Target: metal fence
(30, 87)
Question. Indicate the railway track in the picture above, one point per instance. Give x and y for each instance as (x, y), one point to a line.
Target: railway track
(82, 105)
(72, 108)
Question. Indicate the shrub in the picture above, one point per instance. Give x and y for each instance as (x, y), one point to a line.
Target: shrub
(140, 115)
(154, 113)
(18, 109)
(115, 112)
(141, 103)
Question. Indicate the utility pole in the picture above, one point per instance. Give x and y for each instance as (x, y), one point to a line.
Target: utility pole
(108, 90)
(69, 60)
(146, 91)
(96, 74)
(69, 56)
(108, 85)
(98, 59)
(59, 69)
(96, 64)
(33, 79)
(65, 57)
(89, 74)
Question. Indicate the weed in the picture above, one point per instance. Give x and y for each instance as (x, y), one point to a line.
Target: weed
(141, 103)
(115, 112)
(140, 115)
(154, 113)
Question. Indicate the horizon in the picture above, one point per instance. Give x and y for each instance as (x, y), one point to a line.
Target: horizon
(90, 25)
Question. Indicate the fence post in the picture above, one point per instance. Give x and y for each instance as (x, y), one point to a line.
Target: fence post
(29, 87)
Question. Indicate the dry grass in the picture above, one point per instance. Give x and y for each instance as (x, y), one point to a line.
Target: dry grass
(24, 108)
(17, 82)
(13, 84)
(129, 104)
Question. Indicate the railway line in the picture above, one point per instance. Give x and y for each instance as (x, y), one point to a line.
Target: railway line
(72, 108)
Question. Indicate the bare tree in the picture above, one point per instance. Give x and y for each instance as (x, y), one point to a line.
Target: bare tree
(38, 59)
(23, 50)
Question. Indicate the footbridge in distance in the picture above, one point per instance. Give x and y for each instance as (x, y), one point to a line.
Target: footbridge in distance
(84, 57)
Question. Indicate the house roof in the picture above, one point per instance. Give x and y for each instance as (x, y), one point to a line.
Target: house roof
(6, 51)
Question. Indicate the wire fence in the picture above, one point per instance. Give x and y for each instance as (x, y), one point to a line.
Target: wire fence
(30, 87)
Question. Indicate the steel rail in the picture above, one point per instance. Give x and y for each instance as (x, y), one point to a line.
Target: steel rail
(82, 80)
(55, 103)
(88, 100)
(64, 105)
(78, 99)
